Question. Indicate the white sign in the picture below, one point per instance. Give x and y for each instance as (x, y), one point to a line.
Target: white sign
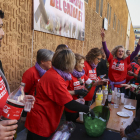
(60, 17)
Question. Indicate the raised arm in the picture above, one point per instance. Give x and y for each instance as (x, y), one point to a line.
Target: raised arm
(107, 52)
(132, 56)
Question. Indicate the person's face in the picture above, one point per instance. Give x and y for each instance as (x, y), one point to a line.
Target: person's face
(97, 60)
(128, 53)
(139, 60)
(46, 65)
(120, 53)
(1, 31)
(80, 65)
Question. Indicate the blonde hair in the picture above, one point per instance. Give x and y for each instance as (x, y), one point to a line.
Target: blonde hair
(114, 51)
(93, 54)
(78, 58)
(64, 60)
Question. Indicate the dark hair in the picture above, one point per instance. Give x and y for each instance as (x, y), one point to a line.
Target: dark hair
(61, 47)
(1, 14)
(92, 54)
(139, 55)
(64, 60)
(127, 51)
(44, 55)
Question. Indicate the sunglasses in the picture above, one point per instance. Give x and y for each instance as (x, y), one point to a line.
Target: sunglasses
(118, 63)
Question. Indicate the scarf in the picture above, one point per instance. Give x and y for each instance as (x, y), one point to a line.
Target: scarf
(66, 76)
(40, 70)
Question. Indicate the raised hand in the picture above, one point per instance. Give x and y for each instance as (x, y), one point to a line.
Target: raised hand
(139, 41)
(103, 35)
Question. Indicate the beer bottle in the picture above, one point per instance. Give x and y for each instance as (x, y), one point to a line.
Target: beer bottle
(106, 103)
(109, 94)
(88, 87)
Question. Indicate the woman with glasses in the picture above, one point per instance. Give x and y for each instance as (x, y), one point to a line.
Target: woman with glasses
(76, 86)
(93, 57)
(117, 62)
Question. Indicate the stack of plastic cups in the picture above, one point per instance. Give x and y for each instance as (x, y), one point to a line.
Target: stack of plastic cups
(115, 97)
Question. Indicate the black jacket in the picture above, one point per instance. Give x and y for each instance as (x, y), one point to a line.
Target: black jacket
(133, 131)
(102, 68)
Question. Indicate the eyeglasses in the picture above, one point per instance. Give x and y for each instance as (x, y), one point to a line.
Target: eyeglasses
(118, 63)
(99, 59)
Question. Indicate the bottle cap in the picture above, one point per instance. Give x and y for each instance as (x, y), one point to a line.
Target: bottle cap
(22, 84)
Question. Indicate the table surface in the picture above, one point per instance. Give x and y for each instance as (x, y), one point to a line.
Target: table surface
(80, 134)
(116, 122)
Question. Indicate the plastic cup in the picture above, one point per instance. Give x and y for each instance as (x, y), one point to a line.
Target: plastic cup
(122, 98)
(28, 105)
(81, 116)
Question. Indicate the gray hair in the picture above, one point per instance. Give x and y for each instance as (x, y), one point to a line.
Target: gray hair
(44, 55)
(114, 51)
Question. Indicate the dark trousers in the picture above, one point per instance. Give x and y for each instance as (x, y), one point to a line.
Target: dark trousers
(71, 116)
(138, 102)
(33, 136)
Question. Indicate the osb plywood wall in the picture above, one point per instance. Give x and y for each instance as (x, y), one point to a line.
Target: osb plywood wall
(16, 50)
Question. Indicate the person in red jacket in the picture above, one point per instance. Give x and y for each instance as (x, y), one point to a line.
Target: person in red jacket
(132, 67)
(76, 86)
(118, 63)
(51, 97)
(32, 76)
(93, 57)
(7, 127)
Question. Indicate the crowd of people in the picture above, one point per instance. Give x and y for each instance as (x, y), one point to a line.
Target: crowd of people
(59, 79)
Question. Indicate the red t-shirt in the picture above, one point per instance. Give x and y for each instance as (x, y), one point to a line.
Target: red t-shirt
(92, 74)
(3, 94)
(131, 67)
(117, 74)
(137, 71)
(51, 96)
(74, 84)
(31, 77)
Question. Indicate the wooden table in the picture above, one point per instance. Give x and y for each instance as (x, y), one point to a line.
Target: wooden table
(116, 122)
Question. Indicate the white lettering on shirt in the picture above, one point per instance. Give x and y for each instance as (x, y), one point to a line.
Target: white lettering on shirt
(2, 89)
(119, 68)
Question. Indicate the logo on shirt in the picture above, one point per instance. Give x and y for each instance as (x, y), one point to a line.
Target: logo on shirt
(77, 83)
(119, 68)
(92, 75)
(2, 89)
(90, 71)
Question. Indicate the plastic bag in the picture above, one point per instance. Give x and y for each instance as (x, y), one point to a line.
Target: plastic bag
(64, 131)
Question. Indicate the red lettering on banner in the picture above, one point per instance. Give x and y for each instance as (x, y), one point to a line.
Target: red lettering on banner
(60, 5)
(71, 11)
(76, 13)
(71, 1)
(68, 8)
(64, 7)
(81, 6)
(52, 3)
(56, 4)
